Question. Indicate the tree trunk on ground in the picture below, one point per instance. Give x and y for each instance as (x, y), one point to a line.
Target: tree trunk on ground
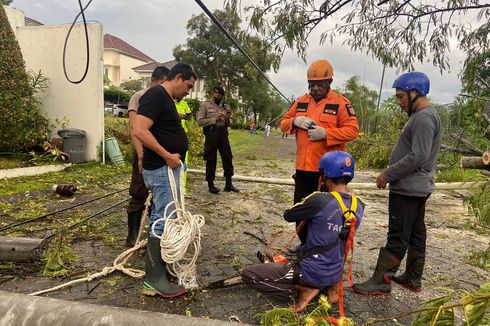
(473, 162)
(486, 158)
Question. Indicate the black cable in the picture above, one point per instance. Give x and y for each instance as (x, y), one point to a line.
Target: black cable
(58, 211)
(82, 12)
(87, 218)
(232, 39)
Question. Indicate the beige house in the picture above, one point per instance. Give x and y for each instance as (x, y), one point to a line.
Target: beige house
(144, 72)
(119, 59)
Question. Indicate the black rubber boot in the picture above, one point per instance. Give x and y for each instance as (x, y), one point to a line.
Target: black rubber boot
(229, 186)
(134, 222)
(212, 188)
(379, 283)
(412, 277)
(156, 281)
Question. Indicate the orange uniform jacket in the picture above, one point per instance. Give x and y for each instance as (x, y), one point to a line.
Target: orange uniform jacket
(334, 113)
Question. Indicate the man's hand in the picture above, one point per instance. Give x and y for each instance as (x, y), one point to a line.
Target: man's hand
(221, 115)
(381, 181)
(302, 122)
(316, 133)
(140, 165)
(173, 160)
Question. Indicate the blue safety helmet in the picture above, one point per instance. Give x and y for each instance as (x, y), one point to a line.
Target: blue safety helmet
(413, 80)
(336, 164)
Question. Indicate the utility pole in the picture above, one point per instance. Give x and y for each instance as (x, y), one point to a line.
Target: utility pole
(379, 98)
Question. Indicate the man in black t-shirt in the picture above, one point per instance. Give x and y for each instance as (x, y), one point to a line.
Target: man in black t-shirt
(158, 127)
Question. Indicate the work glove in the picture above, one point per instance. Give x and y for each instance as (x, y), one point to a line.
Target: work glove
(317, 133)
(302, 122)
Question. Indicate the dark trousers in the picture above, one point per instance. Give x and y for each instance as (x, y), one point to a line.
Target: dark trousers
(137, 189)
(217, 140)
(406, 226)
(273, 279)
(305, 182)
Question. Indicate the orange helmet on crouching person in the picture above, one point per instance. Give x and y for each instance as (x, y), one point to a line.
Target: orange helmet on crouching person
(320, 70)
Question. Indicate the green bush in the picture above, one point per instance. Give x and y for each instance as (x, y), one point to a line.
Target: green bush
(119, 129)
(478, 200)
(196, 144)
(371, 151)
(116, 95)
(22, 126)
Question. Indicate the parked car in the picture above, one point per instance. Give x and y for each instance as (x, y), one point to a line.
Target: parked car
(119, 110)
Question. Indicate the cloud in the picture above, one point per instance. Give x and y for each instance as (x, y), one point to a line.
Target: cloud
(155, 27)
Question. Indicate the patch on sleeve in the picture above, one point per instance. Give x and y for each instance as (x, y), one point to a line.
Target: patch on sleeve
(302, 107)
(350, 110)
(331, 109)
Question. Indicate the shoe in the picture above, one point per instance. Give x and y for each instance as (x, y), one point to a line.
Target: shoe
(212, 188)
(379, 283)
(156, 282)
(229, 187)
(134, 222)
(412, 277)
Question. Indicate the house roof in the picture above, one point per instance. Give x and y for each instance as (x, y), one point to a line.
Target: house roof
(112, 42)
(149, 67)
(31, 22)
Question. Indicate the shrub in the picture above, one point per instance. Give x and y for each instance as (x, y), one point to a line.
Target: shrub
(22, 126)
(196, 143)
(478, 200)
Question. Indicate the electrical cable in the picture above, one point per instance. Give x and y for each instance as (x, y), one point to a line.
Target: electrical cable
(58, 211)
(87, 218)
(82, 12)
(232, 39)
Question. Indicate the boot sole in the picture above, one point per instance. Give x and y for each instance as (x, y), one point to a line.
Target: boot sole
(406, 286)
(371, 293)
(153, 293)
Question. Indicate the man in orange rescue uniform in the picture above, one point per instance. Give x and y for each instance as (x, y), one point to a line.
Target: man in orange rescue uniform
(322, 121)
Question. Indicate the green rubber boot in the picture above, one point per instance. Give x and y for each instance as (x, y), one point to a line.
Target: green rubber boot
(412, 277)
(379, 283)
(156, 281)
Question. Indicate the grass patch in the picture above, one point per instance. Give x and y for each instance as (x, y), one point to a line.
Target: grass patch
(480, 258)
(87, 173)
(242, 142)
(456, 174)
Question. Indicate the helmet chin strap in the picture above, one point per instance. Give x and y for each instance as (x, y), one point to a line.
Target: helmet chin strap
(411, 101)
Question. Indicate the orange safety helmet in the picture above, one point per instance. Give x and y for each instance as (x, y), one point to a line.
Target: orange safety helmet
(320, 70)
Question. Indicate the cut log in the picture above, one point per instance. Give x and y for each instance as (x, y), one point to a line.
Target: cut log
(487, 133)
(473, 162)
(486, 158)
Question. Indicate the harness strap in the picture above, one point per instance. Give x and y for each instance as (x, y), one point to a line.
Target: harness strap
(351, 221)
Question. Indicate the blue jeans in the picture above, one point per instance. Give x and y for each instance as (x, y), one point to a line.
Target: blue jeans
(157, 181)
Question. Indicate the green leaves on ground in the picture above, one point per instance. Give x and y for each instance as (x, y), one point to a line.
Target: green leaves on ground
(58, 258)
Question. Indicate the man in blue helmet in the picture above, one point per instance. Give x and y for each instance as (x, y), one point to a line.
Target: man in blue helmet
(320, 262)
(411, 177)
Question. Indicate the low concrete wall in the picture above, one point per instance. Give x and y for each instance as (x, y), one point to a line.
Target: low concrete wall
(21, 309)
(32, 170)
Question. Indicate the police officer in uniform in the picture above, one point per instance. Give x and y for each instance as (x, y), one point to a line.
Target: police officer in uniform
(322, 121)
(214, 116)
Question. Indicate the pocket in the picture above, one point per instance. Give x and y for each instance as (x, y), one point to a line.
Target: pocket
(328, 120)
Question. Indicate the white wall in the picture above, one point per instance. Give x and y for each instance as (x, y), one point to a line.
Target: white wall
(82, 104)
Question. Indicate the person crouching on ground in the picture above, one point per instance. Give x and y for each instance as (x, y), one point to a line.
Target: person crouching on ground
(320, 262)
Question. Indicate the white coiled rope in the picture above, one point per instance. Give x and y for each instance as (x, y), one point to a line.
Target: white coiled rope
(181, 239)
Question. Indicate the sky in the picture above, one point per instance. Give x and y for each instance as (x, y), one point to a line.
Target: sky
(155, 27)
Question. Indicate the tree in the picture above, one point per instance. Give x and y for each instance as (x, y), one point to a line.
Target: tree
(396, 32)
(363, 100)
(7, 2)
(217, 61)
(131, 86)
(22, 126)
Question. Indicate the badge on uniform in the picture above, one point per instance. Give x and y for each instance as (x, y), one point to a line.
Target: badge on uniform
(302, 107)
(350, 110)
(331, 109)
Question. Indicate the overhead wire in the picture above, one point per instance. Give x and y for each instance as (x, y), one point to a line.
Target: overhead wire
(238, 46)
(87, 61)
